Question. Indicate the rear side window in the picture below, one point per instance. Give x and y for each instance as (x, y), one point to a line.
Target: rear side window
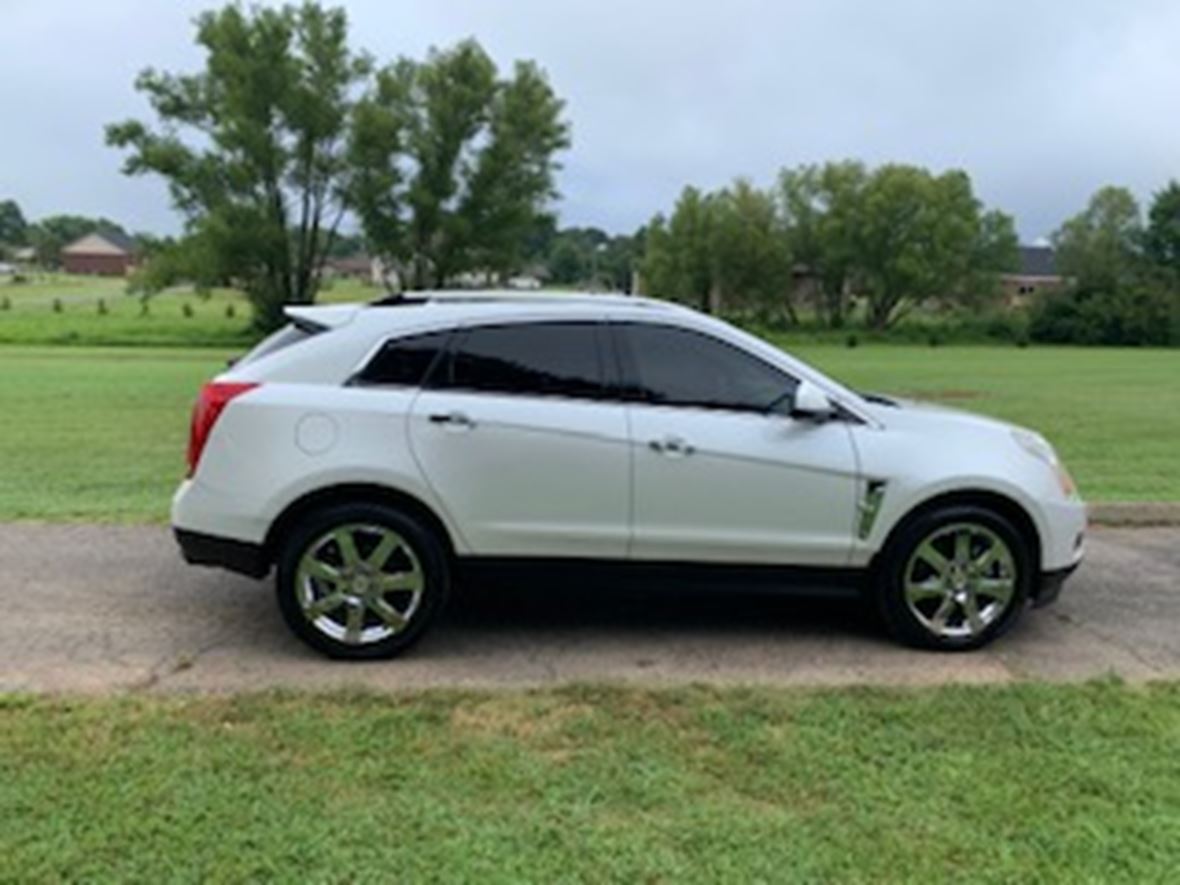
(529, 359)
(404, 362)
(678, 367)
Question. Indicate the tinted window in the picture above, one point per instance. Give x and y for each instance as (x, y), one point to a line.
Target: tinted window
(404, 361)
(678, 367)
(538, 359)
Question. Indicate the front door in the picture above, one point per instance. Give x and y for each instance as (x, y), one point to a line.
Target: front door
(722, 473)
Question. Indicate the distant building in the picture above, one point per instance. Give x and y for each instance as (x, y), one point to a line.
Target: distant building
(106, 253)
(357, 267)
(1037, 273)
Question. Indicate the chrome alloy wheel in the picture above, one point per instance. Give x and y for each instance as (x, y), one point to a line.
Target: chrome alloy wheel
(359, 583)
(960, 580)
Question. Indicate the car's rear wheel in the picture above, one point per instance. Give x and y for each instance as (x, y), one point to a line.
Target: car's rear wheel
(361, 581)
(954, 578)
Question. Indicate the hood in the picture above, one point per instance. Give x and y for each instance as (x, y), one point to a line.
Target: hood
(922, 415)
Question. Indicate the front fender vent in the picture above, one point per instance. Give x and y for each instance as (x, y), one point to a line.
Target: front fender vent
(870, 506)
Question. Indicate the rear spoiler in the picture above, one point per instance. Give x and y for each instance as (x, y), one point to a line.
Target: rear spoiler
(321, 318)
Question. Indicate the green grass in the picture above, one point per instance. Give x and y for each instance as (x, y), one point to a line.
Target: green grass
(99, 434)
(1112, 413)
(1027, 783)
(177, 317)
(95, 434)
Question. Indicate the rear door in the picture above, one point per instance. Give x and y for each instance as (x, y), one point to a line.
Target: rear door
(516, 436)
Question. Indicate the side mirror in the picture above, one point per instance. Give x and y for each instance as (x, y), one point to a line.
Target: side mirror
(811, 403)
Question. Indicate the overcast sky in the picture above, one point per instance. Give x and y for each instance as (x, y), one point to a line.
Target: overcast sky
(1042, 101)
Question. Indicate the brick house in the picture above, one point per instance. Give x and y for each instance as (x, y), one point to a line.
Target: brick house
(105, 253)
(1037, 273)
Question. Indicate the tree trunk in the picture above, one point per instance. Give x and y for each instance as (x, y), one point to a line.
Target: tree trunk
(715, 299)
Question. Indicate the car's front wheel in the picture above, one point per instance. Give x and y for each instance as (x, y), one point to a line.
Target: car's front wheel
(954, 578)
(361, 581)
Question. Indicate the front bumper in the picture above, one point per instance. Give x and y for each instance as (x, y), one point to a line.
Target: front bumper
(1050, 584)
(242, 557)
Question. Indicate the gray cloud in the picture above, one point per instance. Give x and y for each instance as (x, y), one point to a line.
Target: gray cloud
(1042, 102)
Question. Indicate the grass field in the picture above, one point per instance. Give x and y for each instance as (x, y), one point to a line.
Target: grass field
(1112, 413)
(95, 434)
(1028, 783)
(57, 309)
(100, 433)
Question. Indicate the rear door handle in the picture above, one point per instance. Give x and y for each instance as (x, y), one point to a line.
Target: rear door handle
(672, 446)
(453, 419)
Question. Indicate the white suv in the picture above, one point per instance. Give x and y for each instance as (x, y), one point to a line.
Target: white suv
(375, 453)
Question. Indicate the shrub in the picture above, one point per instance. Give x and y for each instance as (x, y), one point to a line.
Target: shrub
(1139, 315)
(186, 310)
(852, 341)
(102, 307)
(57, 308)
(229, 311)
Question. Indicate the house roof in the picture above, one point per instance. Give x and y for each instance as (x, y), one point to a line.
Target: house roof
(1037, 261)
(101, 242)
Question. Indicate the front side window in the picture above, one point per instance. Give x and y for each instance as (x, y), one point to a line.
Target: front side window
(529, 359)
(404, 362)
(670, 366)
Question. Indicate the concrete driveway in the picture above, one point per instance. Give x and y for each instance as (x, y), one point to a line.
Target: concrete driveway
(107, 608)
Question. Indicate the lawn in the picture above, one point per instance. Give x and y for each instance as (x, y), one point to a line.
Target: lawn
(99, 433)
(1025, 783)
(52, 309)
(1112, 413)
(95, 434)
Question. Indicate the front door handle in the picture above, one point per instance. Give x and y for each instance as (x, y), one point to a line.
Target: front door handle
(672, 446)
(452, 419)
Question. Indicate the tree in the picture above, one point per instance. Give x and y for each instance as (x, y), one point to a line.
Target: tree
(13, 227)
(920, 236)
(821, 210)
(261, 182)
(1122, 283)
(54, 232)
(677, 262)
(1100, 248)
(453, 165)
(749, 255)
(1162, 237)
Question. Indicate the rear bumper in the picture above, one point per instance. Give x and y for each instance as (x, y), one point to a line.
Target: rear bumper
(1049, 587)
(242, 557)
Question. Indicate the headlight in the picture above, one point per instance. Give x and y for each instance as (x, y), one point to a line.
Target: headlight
(1037, 446)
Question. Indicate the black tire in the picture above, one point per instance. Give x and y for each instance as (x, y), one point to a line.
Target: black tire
(432, 575)
(890, 578)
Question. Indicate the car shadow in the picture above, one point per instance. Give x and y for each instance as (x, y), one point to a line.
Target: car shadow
(549, 608)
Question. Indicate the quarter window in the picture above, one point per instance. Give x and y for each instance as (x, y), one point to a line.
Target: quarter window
(679, 367)
(404, 361)
(529, 359)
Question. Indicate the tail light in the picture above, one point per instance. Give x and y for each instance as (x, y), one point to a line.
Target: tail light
(213, 399)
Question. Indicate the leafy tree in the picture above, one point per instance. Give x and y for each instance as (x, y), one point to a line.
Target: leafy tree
(677, 263)
(749, 255)
(821, 210)
(1122, 283)
(261, 180)
(721, 251)
(1100, 248)
(920, 236)
(13, 226)
(453, 165)
(54, 232)
(1162, 237)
